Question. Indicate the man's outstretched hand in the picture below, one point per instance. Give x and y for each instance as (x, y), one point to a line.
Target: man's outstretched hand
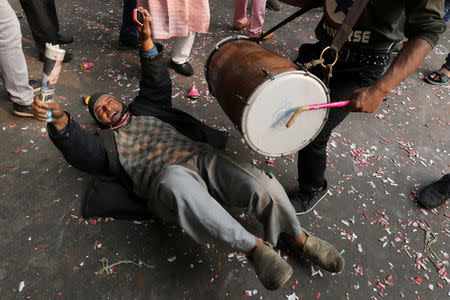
(59, 117)
(144, 31)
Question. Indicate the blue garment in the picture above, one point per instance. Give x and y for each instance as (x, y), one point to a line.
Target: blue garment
(447, 11)
(128, 32)
(446, 18)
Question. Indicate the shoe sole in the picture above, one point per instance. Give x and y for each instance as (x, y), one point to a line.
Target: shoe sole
(312, 207)
(22, 114)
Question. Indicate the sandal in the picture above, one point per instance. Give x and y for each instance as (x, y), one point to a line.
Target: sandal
(442, 78)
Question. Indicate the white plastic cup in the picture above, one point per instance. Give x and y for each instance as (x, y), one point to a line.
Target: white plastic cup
(52, 67)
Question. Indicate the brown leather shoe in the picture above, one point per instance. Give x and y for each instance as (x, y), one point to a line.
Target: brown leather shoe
(242, 26)
(272, 270)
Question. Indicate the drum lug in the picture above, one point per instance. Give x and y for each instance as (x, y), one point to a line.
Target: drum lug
(242, 99)
(267, 73)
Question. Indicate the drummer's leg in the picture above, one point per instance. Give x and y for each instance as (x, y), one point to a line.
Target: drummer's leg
(240, 13)
(312, 159)
(257, 18)
(237, 184)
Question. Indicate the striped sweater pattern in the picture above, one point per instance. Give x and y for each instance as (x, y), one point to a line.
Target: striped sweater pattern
(177, 17)
(146, 145)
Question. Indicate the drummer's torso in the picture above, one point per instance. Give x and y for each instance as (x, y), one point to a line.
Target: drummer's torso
(382, 23)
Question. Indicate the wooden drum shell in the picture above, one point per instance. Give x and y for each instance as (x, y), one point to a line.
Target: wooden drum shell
(236, 69)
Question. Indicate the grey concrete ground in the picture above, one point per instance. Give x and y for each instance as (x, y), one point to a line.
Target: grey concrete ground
(376, 164)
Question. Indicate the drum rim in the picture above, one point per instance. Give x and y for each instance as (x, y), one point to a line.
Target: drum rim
(252, 99)
(215, 49)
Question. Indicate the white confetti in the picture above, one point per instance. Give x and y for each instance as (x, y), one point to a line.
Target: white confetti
(293, 296)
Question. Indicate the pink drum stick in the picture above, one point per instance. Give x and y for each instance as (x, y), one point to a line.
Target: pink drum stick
(312, 107)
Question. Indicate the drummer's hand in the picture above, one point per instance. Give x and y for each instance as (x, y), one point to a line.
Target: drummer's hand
(366, 100)
(144, 31)
(59, 116)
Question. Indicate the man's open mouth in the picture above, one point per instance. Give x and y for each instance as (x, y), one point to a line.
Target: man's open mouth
(114, 116)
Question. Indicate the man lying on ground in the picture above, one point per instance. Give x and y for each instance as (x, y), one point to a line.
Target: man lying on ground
(167, 159)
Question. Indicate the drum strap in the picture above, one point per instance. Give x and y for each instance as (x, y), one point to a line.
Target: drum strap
(295, 15)
(342, 35)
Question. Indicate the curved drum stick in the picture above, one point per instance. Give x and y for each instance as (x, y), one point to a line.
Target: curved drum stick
(312, 107)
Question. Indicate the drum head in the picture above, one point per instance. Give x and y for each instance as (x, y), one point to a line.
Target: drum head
(272, 104)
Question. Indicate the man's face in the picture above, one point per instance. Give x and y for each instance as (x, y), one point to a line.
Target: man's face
(108, 109)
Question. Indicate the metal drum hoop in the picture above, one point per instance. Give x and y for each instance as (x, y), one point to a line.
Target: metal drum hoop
(216, 48)
(254, 96)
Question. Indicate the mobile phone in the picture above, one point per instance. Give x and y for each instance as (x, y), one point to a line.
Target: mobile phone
(138, 17)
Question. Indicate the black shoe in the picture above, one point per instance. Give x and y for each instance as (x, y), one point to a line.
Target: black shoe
(64, 39)
(273, 5)
(305, 201)
(435, 194)
(67, 57)
(22, 110)
(128, 45)
(36, 85)
(184, 69)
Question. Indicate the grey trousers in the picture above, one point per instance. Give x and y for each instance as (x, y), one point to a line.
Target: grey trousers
(193, 194)
(13, 66)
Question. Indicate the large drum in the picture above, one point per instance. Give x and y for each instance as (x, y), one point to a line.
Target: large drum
(260, 90)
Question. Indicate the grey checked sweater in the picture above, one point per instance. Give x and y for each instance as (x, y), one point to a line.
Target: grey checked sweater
(146, 145)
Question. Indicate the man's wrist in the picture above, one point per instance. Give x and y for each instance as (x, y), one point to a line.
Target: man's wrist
(147, 44)
(61, 123)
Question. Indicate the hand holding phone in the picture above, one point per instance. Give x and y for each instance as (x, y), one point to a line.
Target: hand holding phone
(138, 17)
(142, 19)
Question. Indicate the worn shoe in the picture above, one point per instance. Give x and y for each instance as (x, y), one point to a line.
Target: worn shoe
(22, 110)
(305, 201)
(184, 69)
(121, 45)
(236, 27)
(272, 270)
(273, 5)
(67, 57)
(64, 39)
(435, 194)
(323, 254)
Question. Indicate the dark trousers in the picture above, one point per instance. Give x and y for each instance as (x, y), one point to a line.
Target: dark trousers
(128, 32)
(43, 21)
(346, 79)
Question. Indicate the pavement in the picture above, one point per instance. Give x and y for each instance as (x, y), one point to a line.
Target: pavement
(377, 162)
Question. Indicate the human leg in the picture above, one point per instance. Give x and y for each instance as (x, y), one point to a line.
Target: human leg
(257, 17)
(237, 184)
(312, 159)
(240, 19)
(12, 61)
(179, 195)
(43, 22)
(180, 54)
(128, 34)
(182, 48)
